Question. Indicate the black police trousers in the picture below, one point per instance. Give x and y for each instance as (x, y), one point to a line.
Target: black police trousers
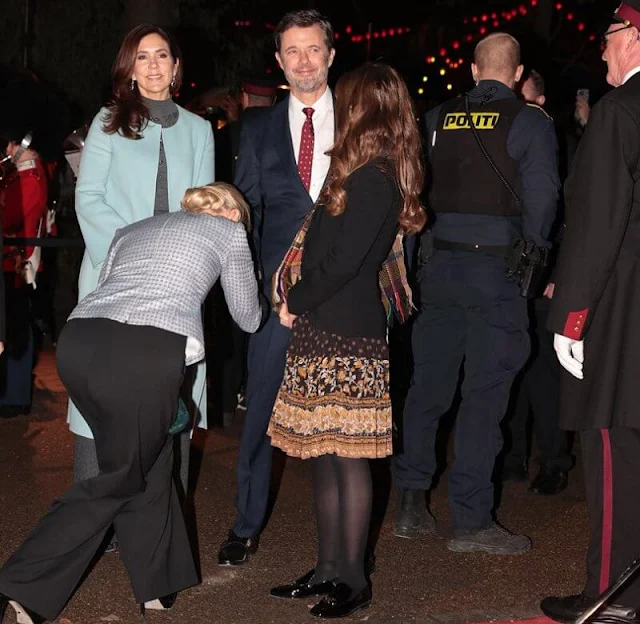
(469, 315)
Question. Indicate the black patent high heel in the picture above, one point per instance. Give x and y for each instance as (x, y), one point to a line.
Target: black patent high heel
(159, 604)
(23, 615)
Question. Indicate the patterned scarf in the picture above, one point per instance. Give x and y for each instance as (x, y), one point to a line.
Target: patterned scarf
(395, 291)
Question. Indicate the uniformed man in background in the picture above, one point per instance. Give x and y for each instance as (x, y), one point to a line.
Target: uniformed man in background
(536, 390)
(488, 188)
(595, 314)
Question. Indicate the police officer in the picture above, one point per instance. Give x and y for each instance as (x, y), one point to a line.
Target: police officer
(469, 310)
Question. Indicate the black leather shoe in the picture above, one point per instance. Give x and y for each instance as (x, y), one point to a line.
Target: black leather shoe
(569, 608)
(159, 604)
(516, 473)
(303, 588)
(23, 615)
(235, 550)
(340, 604)
(549, 481)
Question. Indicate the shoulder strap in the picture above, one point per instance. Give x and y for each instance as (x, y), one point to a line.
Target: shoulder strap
(483, 149)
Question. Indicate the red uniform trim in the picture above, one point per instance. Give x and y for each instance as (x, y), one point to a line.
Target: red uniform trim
(607, 511)
(574, 326)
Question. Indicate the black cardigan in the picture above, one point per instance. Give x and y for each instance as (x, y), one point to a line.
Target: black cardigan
(338, 289)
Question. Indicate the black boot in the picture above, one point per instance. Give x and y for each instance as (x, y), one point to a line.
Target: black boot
(412, 516)
(569, 608)
(549, 481)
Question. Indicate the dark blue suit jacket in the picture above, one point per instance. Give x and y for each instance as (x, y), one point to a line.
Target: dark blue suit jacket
(267, 175)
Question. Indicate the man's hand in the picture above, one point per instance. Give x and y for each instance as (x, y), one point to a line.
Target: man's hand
(286, 318)
(548, 291)
(570, 354)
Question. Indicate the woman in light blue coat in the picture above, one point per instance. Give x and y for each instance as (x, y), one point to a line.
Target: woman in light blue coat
(141, 153)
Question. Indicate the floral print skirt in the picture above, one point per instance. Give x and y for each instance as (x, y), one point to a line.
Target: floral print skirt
(334, 397)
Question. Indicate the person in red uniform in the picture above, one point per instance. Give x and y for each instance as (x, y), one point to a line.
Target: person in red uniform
(23, 206)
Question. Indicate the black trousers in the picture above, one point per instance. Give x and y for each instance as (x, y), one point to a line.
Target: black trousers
(125, 380)
(266, 361)
(536, 392)
(469, 313)
(611, 460)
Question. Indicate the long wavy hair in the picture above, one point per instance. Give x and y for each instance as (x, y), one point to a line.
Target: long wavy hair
(128, 114)
(375, 119)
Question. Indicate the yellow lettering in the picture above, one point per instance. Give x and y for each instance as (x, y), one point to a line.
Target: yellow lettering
(459, 121)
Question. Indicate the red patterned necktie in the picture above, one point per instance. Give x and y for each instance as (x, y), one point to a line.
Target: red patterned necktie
(305, 156)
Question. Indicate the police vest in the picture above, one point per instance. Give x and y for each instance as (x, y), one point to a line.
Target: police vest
(462, 180)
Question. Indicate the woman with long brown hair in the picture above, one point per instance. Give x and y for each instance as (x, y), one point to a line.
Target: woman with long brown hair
(141, 153)
(334, 406)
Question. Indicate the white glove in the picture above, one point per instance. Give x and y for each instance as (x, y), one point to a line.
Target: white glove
(570, 354)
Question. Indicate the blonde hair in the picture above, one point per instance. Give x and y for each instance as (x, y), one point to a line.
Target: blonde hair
(216, 197)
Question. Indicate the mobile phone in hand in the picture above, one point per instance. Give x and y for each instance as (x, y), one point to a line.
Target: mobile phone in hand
(583, 93)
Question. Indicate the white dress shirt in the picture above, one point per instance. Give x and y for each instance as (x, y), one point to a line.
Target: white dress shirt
(628, 75)
(323, 128)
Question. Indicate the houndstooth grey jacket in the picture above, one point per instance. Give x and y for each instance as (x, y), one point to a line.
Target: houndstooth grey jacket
(159, 270)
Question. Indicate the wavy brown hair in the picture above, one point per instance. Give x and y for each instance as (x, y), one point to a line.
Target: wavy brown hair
(375, 119)
(128, 114)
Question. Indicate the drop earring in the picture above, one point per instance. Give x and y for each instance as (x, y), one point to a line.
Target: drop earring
(132, 85)
(173, 82)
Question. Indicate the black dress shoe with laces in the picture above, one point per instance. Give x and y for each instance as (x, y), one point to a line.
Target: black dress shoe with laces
(569, 608)
(23, 615)
(159, 604)
(340, 603)
(236, 550)
(549, 481)
(303, 587)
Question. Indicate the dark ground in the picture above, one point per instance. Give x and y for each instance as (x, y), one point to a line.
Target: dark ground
(415, 581)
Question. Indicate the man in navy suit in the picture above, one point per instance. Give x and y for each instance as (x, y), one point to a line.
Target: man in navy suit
(278, 146)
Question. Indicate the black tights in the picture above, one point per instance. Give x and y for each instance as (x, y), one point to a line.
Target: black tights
(342, 493)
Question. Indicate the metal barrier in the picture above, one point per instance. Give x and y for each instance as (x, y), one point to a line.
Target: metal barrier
(51, 241)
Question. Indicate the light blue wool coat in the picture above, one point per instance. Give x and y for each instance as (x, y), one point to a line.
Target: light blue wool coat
(116, 186)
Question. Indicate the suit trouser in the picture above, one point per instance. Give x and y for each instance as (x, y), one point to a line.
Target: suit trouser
(126, 380)
(265, 369)
(469, 312)
(538, 390)
(611, 459)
